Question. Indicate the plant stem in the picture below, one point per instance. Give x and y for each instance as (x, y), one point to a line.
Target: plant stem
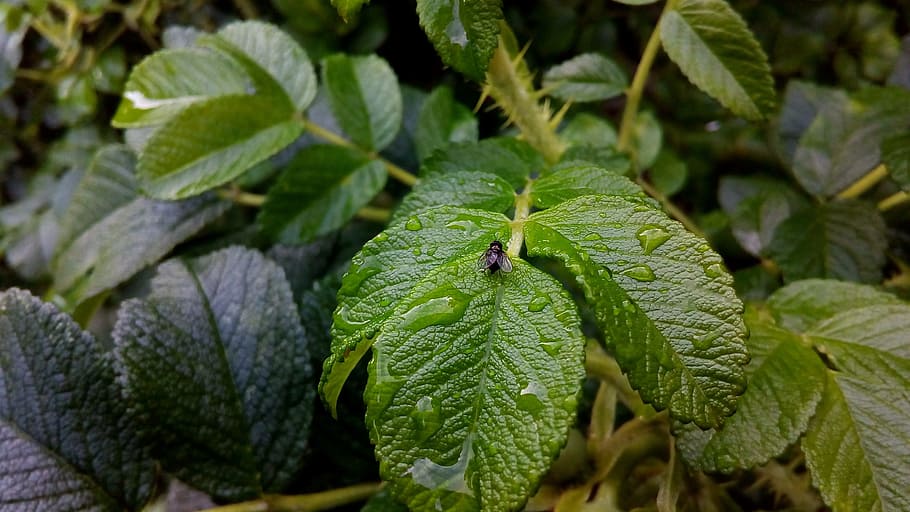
(380, 215)
(243, 198)
(671, 208)
(514, 93)
(329, 136)
(636, 89)
(865, 183)
(893, 200)
(522, 210)
(304, 502)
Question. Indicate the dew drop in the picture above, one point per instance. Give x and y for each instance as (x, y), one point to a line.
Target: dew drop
(714, 270)
(442, 306)
(639, 273)
(651, 237)
(593, 236)
(538, 303)
(413, 224)
(455, 29)
(361, 270)
(531, 397)
(551, 346)
(704, 342)
(426, 417)
(431, 475)
(342, 320)
(381, 237)
(416, 251)
(628, 306)
(385, 301)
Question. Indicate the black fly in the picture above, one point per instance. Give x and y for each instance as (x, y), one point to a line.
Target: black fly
(494, 258)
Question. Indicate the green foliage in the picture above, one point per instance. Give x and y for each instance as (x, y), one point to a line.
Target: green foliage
(280, 195)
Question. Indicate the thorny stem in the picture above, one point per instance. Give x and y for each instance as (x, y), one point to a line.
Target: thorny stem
(636, 89)
(329, 136)
(304, 502)
(522, 210)
(865, 183)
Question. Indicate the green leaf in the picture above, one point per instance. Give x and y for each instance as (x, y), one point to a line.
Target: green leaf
(660, 295)
(843, 142)
(575, 179)
(14, 23)
(586, 77)
(166, 82)
(442, 120)
(511, 159)
(70, 441)
(803, 101)
(714, 48)
(465, 34)
(365, 98)
(588, 130)
(385, 270)
(470, 372)
(262, 48)
(648, 139)
(896, 156)
(348, 8)
(470, 189)
(212, 142)
(217, 356)
(786, 382)
(110, 232)
(320, 190)
(842, 239)
(669, 172)
(756, 207)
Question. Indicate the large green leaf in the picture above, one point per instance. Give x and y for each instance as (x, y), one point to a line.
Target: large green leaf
(471, 372)
(442, 120)
(212, 142)
(802, 103)
(465, 34)
(471, 189)
(660, 294)
(14, 23)
(511, 159)
(575, 179)
(786, 382)
(896, 156)
(714, 48)
(512, 342)
(756, 207)
(110, 232)
(365, 98)
(217, 356)
(586, 77)
(842, 239)
(320, 190)
(69, 440)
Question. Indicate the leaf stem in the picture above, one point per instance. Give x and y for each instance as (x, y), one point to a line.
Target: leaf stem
(329, 136)
(637, 87)
(514, 92)
(522, 210)
(893, 200)
(243, 198)
(865, 183)
(304, 502)
(600, 365)
(671, 208)
(372, 213)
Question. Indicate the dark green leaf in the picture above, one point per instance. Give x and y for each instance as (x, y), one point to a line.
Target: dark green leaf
(465, 34)
(470, 189)
(69, 440)
(511, 159)
(212, 142)
(14, 23)
(661, 296)
(442, 120)
(648, 139)
(797, 306)
(383, 501)
(756, 207)
(714, 48)
(802, 103)
(586, 77)
(348, 8)
(217, 356)
(320, 190)
(668, 174)
(588, 130)
(110, 232)
(365, 98)
(896, 156)
(843, 239)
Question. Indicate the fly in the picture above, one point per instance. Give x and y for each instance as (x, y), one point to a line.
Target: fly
(494, 258)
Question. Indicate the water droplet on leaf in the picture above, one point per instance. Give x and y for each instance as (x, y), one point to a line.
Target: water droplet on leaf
(413, 224)
(538, 303)
(639, 273)
(651, 237)
(714, 270)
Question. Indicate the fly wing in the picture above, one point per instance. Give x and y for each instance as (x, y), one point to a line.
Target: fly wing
(505, 264)
(483, 262)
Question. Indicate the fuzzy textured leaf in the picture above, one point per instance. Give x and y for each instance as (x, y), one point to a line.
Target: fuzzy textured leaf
(576, 179)
(365, 98)
(756, 207)
(896, 156)
(110, 232)
(660, 294)
(586, 77)
(216, 354)
(714, 48)
(348, 8)
(465, 34)
(320, 190)
(511, 159)
(841, 239)
(68, 440)
(470, 189)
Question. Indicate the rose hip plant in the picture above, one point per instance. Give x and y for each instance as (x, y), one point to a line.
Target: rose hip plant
(661, 264)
